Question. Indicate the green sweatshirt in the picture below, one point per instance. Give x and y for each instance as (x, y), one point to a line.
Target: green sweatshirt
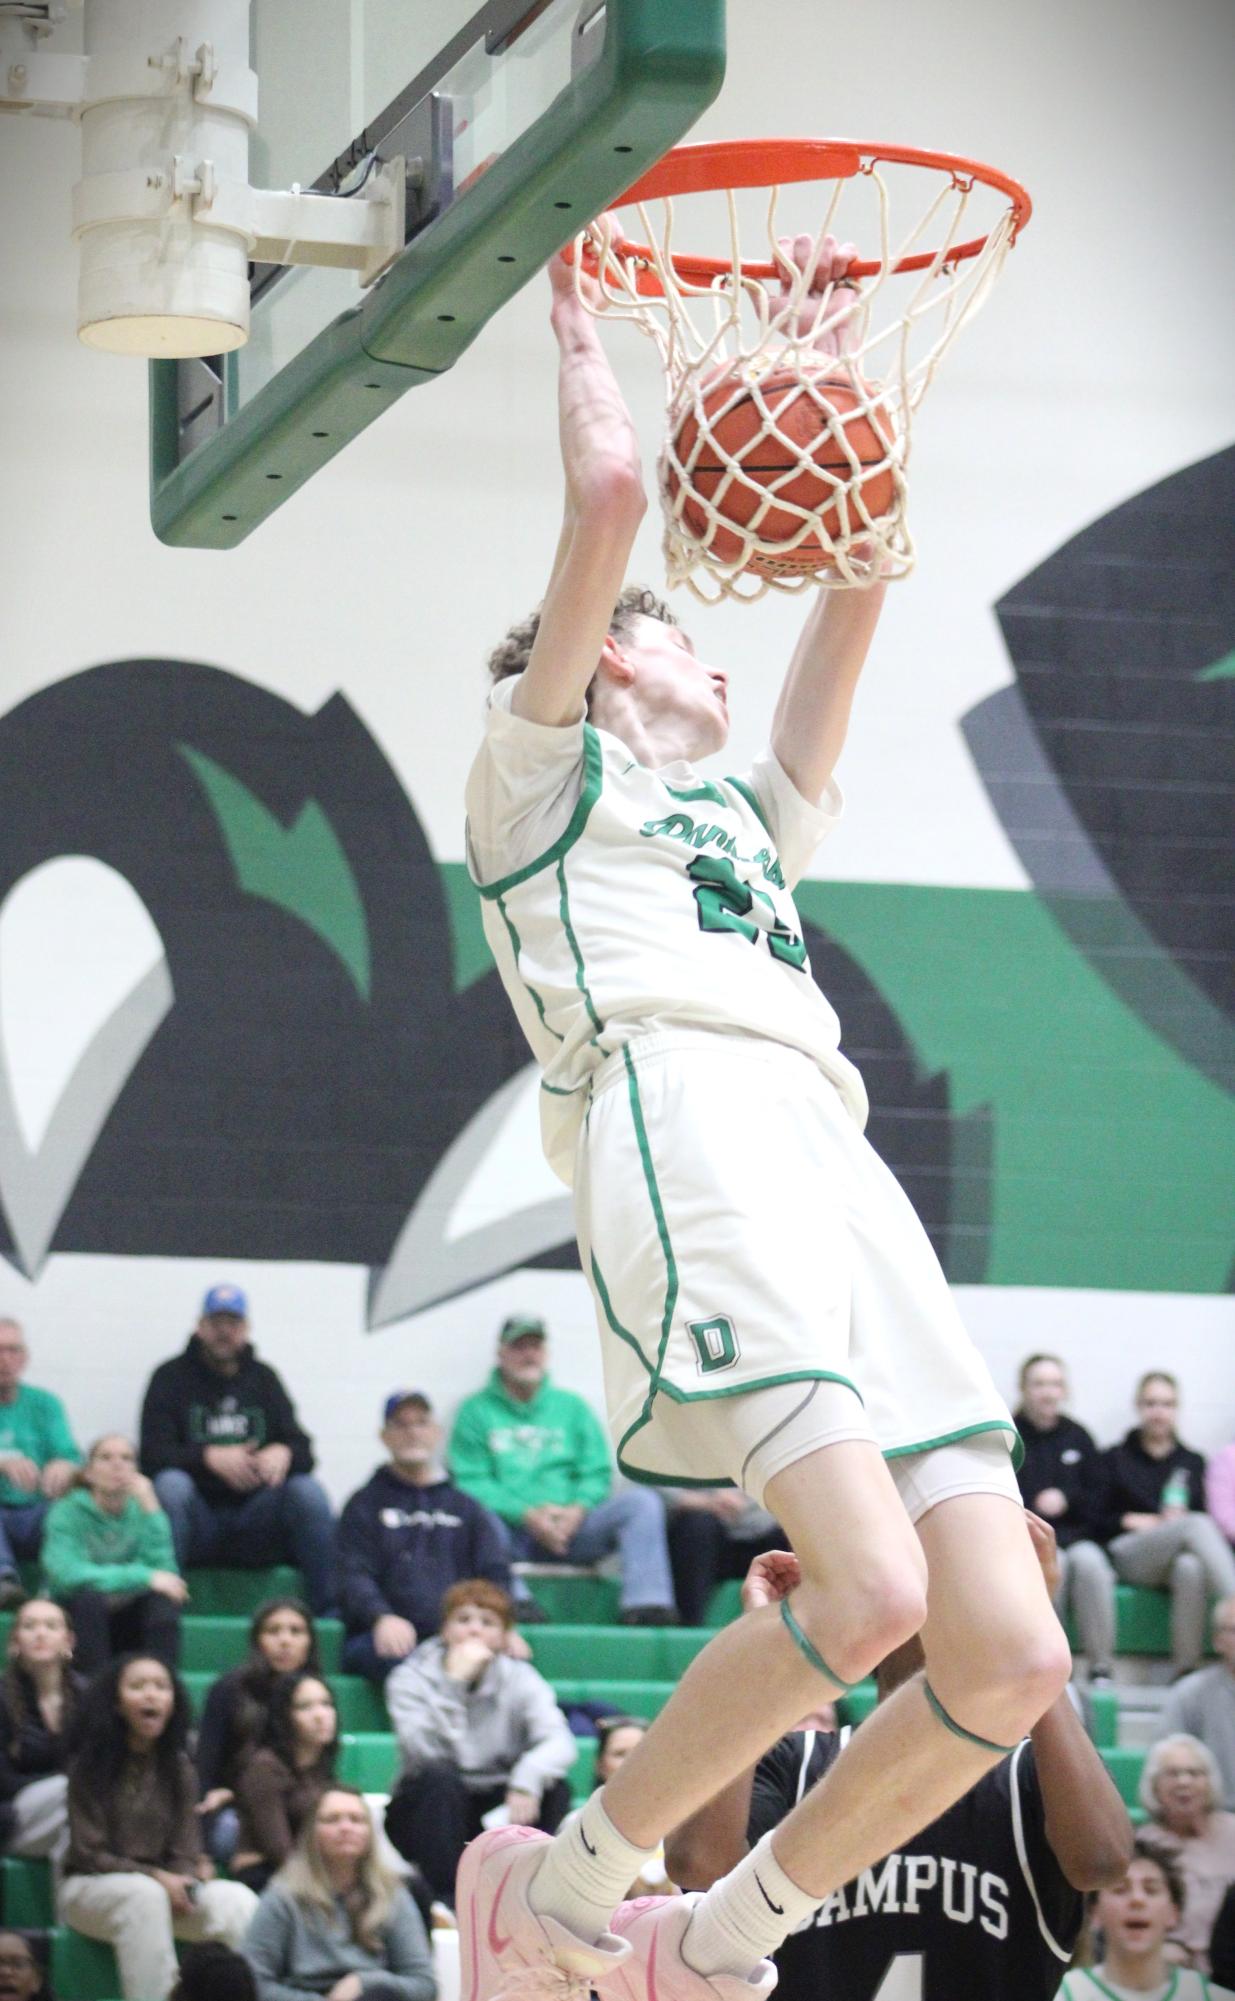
(33, 1424)
(83, 1545)
(513, 1456)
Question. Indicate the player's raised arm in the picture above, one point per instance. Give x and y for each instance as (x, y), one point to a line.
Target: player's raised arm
(812, 715)
(605, 502)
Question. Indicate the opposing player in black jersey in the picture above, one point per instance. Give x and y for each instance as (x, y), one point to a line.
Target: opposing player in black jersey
(986, 1902)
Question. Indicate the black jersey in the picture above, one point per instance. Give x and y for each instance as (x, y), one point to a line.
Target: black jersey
(975, 1908)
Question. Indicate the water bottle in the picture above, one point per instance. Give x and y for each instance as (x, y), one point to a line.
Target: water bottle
(1176, 1493)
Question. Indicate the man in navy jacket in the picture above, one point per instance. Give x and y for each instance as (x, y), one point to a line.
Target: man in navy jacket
(404, 1538)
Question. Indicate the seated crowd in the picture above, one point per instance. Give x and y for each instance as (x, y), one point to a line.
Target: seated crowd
(241, 1840)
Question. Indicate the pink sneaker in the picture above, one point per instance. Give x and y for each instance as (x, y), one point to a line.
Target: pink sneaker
(504, 1947)
(654, 1928)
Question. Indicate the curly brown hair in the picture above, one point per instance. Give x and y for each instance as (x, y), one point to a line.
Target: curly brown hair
(636, 601)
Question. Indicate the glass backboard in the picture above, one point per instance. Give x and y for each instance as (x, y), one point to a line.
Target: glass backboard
(516, 121)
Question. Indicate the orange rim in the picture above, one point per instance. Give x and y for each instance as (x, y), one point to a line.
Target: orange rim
(759, 163)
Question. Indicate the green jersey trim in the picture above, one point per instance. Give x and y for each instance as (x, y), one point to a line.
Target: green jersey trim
(740, 785)
(516, 947)
(606, 1304)
(968, 1431)
(704, 790)
(1102, 1987)
(648, 1479)
(576, 954)
(662, 1230)
(593, 779)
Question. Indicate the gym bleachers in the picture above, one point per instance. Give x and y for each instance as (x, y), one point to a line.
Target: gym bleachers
(582, 1652)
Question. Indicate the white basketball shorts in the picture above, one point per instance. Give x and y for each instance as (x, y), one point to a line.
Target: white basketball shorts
(741, 1235)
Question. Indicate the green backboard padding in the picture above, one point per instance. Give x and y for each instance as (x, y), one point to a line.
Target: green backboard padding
(25, 1891)
(661, 65)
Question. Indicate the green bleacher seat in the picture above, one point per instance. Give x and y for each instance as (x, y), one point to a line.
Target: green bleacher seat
(238, 1593)
(576, 1601)
(1104, 1717)
(219, 1641)
(359, 1704)
(856, 1704)
(25, 1894)
(582, 1774)
(368, 1759)
(620, 1653)
(725, 1603)
(1124, 1762)
(197, 1682)
(81, 1968)
(617, 1698)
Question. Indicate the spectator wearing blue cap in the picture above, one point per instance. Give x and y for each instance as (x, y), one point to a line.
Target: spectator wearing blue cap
(405, 1537)
(231, 1465)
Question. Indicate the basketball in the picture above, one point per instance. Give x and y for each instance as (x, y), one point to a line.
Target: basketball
(804, 439)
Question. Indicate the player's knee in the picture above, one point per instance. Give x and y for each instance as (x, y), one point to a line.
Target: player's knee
(1043, 1667)
(1003, 1683)
(856, 1621)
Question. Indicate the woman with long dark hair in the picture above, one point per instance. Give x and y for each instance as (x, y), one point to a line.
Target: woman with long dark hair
(40, 1701)
(335, 1921)
(279, 1784)
(136, 1877)
(282, 1640)
(108, 1556)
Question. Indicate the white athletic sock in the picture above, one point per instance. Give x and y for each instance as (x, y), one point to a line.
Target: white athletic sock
(587, 1872)
(744, 1917)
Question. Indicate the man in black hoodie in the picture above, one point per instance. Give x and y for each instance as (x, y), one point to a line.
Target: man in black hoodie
(405, 1538)
(1062, 1478)
(230, 1463)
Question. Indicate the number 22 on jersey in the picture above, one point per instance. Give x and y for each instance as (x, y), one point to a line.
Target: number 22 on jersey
(726, 903)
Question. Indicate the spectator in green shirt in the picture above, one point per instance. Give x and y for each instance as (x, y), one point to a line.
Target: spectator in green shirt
(38, 1460)
(537, 1456)
(108, 1559)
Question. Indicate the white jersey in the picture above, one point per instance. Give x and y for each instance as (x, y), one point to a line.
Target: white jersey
(620, 901)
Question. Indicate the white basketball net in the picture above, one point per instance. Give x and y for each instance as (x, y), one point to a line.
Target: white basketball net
(884, 341)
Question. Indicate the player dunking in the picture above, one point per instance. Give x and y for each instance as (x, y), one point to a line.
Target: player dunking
(770, 1310)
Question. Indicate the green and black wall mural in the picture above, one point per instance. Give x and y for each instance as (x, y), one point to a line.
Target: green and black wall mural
(315, 1057)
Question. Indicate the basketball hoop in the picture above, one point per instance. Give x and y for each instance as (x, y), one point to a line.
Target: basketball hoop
(789, 413)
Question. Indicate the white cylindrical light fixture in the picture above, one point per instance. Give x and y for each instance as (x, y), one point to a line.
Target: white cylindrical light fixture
(170, 101)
